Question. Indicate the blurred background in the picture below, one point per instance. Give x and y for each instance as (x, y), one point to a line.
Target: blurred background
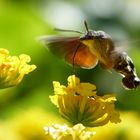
(26, 109)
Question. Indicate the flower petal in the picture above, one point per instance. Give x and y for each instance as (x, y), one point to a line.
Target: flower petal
(13, 68)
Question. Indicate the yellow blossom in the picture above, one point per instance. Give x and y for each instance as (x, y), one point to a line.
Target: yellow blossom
(28, 124)
(128, 129)
(84, 89)
(79, 103)
(63, 132)
(13, 68)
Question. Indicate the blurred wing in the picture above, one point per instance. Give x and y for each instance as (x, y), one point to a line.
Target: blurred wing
(126, 45)
(102, 49)
(72, 50)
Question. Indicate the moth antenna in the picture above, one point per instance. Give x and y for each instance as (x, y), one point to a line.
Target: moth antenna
(63, 30)
(86, 25)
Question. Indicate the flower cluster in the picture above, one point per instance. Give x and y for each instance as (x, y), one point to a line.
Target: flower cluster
(13, 68)
(63, 132)
(79, 103)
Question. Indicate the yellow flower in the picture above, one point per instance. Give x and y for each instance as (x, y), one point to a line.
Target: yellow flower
(28, 125)
(13, 68)
(79, 103)
(128, 129)
(84, 89)
(77, 132)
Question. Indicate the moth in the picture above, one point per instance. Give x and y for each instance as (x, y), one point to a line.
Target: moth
(91, 48)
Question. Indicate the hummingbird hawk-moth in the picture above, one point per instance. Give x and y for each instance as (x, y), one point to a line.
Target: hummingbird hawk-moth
(91, 48)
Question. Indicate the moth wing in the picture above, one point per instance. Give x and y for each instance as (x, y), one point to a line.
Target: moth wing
(72, 50)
